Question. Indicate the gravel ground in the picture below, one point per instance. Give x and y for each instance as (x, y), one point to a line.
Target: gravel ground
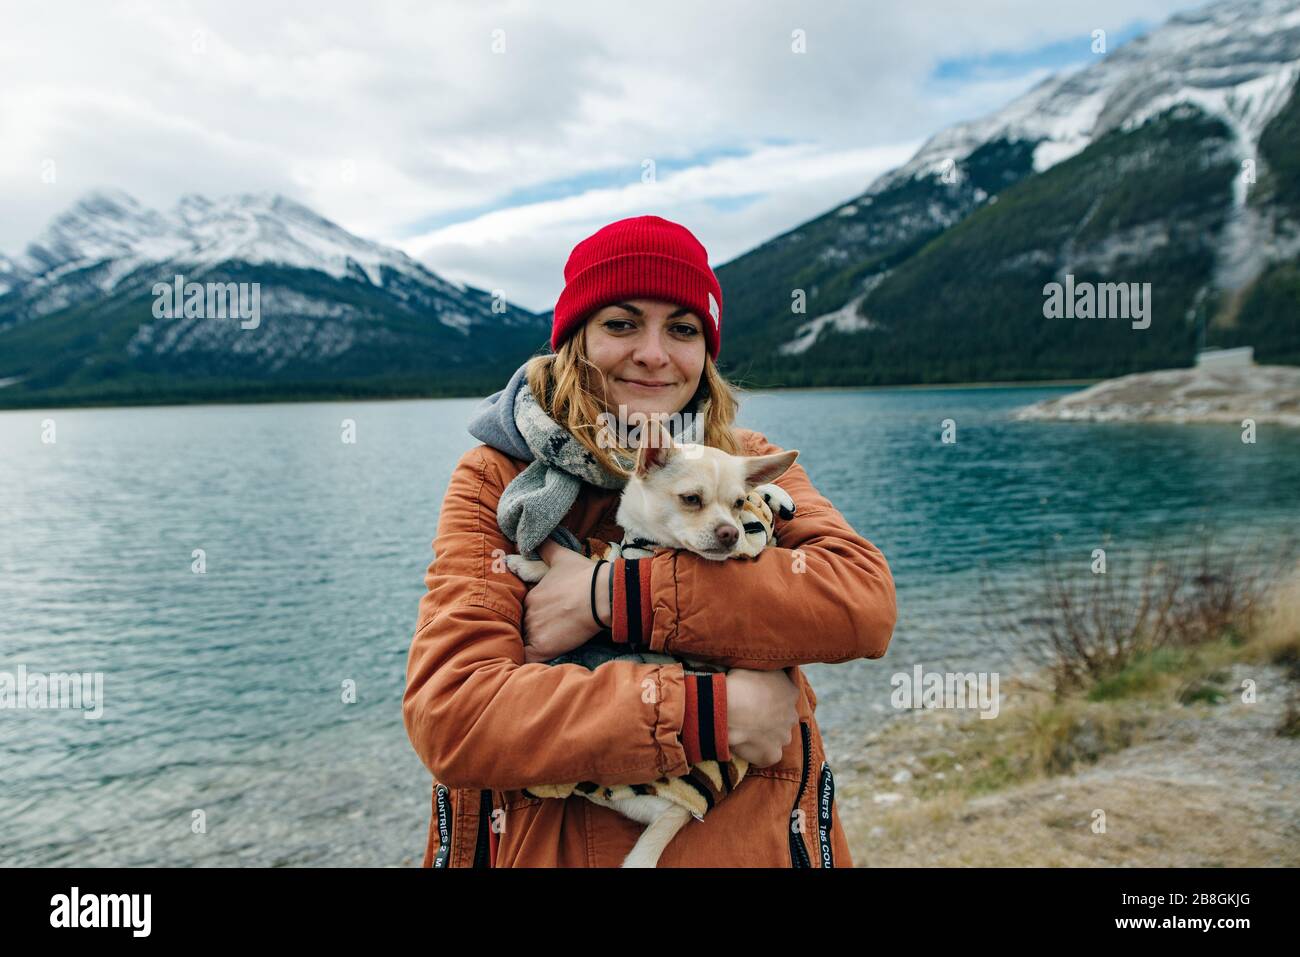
(1204, 785)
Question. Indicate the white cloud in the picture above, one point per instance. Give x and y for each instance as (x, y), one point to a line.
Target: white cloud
(385, 117)
(790, 183)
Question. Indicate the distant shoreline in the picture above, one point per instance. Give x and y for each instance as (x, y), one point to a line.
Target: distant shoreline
(1217, 392)
(1009, 384)
(291, 399)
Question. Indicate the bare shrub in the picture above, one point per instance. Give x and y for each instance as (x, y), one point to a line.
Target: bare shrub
(1083, 627)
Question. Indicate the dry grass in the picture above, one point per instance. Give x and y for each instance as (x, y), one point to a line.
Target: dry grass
(1277, 639)
(1156, 735)
(1278, 643)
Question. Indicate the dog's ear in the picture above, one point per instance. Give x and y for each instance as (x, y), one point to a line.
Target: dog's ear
(761, 469)
(655, 449)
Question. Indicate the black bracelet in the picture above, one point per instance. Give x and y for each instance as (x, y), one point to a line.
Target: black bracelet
(594, 575)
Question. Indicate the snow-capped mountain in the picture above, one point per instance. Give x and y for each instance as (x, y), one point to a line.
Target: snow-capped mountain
(111, 233)
(1235, 61)
(1171, 159)
(334, 307)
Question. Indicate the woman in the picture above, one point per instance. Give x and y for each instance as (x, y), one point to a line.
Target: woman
(636, 329)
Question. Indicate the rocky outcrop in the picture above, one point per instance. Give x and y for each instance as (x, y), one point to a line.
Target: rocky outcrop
(1263, 393)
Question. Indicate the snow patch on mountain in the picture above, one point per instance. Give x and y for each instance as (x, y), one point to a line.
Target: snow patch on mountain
(1245, 107)
(848, 318)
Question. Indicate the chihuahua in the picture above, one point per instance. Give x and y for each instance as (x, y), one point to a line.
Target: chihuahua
(704, 501)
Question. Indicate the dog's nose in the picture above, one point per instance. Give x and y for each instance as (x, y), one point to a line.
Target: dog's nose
(726, 534)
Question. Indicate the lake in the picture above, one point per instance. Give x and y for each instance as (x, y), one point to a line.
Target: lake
(223, 690)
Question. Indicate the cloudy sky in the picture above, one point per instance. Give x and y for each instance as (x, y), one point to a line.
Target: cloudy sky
(487, 138)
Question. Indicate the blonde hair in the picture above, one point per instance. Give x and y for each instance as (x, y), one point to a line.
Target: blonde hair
(571, 388)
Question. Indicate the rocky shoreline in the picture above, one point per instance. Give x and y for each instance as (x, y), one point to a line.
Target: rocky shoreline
(1262, 393)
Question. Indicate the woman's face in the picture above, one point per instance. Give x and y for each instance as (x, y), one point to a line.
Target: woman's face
(652, 354)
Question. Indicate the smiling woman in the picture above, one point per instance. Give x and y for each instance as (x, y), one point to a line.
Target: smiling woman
(636, 330)
(651, 354)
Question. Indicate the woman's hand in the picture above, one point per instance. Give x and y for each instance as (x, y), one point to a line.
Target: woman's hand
(761, 714)
(557, 610)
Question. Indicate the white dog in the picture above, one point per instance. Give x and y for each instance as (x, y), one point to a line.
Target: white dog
(705, 501)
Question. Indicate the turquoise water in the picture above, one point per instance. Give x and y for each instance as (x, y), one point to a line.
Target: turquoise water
(224, 690)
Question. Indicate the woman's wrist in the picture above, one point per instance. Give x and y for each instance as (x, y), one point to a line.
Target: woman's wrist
(604, 593)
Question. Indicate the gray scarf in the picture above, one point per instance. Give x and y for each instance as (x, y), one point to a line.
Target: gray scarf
(537, 499)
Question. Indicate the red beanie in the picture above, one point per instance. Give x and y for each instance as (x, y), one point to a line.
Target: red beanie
(646, 257)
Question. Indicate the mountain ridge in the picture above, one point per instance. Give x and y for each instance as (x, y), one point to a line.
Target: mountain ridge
(78, 321)
(1173, 161)
(1229, 69)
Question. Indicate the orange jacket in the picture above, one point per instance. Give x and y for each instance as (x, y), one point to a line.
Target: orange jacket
(487, 725)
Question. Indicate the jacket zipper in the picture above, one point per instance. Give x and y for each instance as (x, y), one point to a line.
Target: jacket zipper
(482, 850)
(799, 850)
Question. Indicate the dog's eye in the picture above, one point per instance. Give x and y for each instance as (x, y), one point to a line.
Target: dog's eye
(740, 502)
(691, 499)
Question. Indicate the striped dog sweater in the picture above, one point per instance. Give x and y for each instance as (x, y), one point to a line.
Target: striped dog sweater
(708, 781)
